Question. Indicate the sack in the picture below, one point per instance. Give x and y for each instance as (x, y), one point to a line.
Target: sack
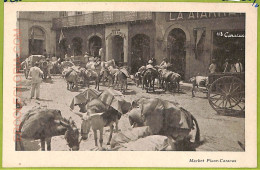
(164, 117)
(149, 143)
(130, 135)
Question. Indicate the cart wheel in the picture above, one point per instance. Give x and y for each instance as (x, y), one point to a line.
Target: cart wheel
(227, 95)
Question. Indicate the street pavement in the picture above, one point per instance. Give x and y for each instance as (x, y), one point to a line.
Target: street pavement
(218, 132)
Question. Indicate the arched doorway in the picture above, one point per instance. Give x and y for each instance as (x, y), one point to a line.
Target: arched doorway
(77, 46)
(95, 43)
(176, 50)
(36, 41)
(118, 49)
(63, 47)
(140, 51)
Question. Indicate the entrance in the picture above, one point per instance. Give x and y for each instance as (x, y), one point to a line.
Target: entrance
(63, 47)
(77, 46)
(36, 41)
(227, 46)
(176, 51)
(140, 51)
(118, 49)
(95, 43)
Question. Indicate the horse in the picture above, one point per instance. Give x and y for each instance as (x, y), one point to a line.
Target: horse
(43, 124)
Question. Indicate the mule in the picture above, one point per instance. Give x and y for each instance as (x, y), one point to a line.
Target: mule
(170, 80)
(71, 77)
(43, 124)
(97, 116)
(149, 79)
(198, 81)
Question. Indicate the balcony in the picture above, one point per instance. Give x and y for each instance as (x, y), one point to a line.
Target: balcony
(97, 18)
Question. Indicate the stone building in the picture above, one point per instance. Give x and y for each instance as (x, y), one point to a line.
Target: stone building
(126, 37)
(189, 40)
(37, 34)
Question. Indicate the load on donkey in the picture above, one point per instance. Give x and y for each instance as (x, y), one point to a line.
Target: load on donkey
(99, 110)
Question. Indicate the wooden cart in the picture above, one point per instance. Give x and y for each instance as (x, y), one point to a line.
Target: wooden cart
(226, 92)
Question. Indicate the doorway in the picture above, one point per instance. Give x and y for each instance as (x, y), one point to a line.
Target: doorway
(95, 43)
(118, 50)
(140, 48)
(176, 50)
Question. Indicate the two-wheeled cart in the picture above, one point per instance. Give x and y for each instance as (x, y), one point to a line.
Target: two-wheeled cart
(226, 92)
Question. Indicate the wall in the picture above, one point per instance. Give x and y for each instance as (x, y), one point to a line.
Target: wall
(43, 20)
(146, 28)
(85, 33)
(122, 30)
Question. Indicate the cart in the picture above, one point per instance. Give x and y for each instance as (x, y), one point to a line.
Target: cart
(30, 61)
(226, 92)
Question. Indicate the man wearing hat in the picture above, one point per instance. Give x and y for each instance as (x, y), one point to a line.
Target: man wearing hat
(149, 65)
(164, 63)
(86, 57)
(36, 74)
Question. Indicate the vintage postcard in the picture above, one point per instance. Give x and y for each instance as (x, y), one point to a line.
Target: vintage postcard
(130, 84)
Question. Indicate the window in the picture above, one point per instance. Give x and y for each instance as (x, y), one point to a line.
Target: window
(63, 14)
(79, 12)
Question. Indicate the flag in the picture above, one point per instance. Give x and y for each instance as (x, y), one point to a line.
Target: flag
(61, 36)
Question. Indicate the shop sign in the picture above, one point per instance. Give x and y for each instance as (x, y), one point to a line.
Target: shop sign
(201, 15)
(116, 32)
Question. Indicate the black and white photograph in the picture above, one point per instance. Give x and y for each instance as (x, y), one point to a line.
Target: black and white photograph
(170, 81)
(132, 81)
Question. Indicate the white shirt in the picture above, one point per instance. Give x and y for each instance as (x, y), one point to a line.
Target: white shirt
(35, 73)
(239, 67)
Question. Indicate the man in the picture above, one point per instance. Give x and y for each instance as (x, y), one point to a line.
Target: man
(36, 74)
(101, 54)
(165, 63)
(226, 66)
(213, 66)
(86, 57)
(49, 67)
(45, 53)
(149, 65)
(239, 66)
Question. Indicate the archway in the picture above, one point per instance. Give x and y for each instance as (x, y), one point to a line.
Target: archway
(36, 41)
(140, 51)
(77, 46)
(95, 43)
(63, 47)
(176, 50)
(117, 49)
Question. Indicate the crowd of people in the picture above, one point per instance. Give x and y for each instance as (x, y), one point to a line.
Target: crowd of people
(228, 66)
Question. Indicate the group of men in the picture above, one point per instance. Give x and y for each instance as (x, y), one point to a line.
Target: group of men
(228, 66)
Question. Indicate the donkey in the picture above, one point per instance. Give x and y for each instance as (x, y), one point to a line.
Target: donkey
(45, 123)
(98, 116)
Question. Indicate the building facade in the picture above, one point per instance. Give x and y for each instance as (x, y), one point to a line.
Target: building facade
(189, 40)
(36, 33)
